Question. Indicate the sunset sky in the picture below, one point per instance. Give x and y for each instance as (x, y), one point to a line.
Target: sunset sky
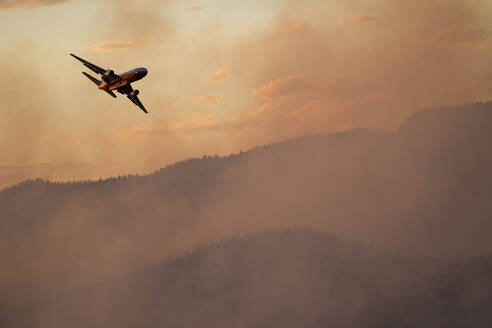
(224, 75)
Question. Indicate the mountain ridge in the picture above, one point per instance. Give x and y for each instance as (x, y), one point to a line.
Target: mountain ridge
(416, 191)
(429, 114)
(288, 278)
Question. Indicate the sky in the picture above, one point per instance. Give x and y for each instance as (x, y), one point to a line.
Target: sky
(224, 76)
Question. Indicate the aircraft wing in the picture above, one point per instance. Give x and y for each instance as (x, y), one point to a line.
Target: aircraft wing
(130, 94)
(93, 67)
(137, 102)
(107, 75)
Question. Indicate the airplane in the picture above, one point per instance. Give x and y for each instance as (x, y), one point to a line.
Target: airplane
(111, 81)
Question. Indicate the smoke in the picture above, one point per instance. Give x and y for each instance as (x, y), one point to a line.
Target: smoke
(313, 73)
(317, 67)
(26, 121)
(27, 4)
(316, 75)
(139, 22)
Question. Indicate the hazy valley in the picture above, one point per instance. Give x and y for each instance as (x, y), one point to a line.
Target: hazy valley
(417, 201)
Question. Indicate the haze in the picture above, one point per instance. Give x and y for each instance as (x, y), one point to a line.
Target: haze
(303, 164)
(223, 76)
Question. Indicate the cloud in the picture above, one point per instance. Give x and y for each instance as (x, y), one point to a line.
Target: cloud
(372, 77)
(194, 8)
(360, 20)
(196, 121)
(458, 35)
(282, 86)
(188, 124)
(28, 4)
(262, 110)
(218, 77)
(210, 100)
(293, 28)
(111, 46)
(140, 22)
(309, 116)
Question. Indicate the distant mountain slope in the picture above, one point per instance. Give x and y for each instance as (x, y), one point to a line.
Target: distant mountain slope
(423, 190)
(294, 278)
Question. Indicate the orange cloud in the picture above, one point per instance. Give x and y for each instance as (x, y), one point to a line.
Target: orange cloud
(194, 8)
(196, 121)
(210, 100)
(310, 116)
(111, 46)
(188, 124)
(317, 110)
(218, 77)
(28, 4)
(256, 113)
(282, 86)
(293, 28)
(360, 20)
(373, 80)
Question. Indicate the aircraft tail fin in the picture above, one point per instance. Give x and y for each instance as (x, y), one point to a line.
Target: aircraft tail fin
(92, 78)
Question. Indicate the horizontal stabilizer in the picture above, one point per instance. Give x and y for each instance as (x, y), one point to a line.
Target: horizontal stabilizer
(92, 78)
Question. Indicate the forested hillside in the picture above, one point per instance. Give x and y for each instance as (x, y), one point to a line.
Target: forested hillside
(290, 278)
(424, 190)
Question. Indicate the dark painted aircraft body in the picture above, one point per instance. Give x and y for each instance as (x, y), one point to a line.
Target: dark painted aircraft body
(119, 82)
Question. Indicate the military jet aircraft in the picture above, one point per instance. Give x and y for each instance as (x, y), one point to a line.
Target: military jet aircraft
(111, 81)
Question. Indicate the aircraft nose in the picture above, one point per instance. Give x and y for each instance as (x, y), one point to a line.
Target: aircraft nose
(144, 72)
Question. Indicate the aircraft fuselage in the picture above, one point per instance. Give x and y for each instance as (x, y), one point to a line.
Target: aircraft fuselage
(125, 79)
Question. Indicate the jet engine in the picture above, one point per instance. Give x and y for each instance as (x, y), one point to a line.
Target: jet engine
(109, 72)
(134, 93)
